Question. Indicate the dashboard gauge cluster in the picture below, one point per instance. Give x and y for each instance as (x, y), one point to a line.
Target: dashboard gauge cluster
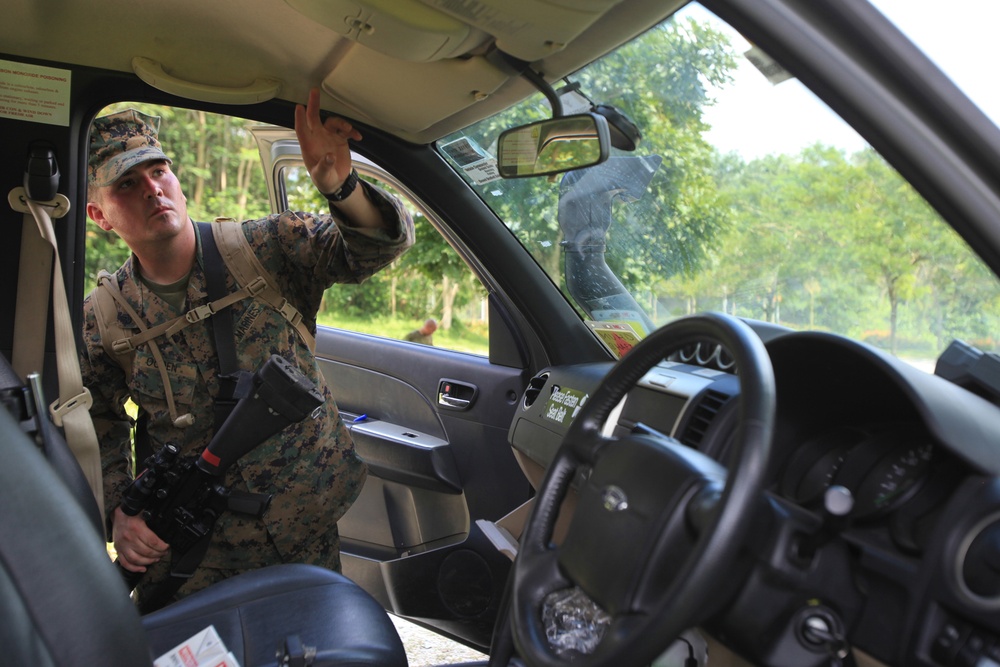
(708, 354)
(882, 468)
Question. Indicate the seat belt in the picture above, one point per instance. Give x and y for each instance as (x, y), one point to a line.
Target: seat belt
(41, 178)
(31, 317)
(71, 410)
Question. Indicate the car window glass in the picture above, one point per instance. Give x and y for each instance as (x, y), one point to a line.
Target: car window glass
(746, 195)
(430, 281)
(217, 162)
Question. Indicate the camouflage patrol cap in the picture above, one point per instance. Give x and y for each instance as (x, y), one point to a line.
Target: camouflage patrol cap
(118, 142)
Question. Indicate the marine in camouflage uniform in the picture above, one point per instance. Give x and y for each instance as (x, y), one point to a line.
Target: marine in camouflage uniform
(311, 467)
(425, 334)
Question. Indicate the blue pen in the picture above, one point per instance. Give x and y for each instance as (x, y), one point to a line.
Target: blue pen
(360, 418)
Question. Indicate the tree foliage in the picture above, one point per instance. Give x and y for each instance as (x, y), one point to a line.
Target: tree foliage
(841, 242)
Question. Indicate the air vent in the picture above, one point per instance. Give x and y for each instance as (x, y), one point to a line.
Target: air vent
(979, 553)
(535, 386)
(701, 420)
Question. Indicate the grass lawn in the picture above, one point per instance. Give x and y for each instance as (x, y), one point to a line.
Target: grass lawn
(471, 338)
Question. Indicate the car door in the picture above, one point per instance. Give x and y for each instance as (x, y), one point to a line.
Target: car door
(431, 421)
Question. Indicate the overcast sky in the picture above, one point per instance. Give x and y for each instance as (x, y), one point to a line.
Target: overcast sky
(756, 118)
(960, 36)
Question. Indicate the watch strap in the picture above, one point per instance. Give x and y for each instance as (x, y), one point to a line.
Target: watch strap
(345, 189)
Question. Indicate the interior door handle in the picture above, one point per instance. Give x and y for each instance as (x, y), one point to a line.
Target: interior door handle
(456, 395)
(453, 402)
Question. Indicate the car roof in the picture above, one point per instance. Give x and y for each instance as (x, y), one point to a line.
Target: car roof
(418, 69)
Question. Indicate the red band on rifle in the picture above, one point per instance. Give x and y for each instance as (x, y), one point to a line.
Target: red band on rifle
(211, 458)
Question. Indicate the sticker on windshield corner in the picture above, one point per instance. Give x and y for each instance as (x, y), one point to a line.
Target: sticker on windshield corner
(480, 166)
(632, 318)
(35, 93)
(618, 337)
(564, 404)
(767, 65)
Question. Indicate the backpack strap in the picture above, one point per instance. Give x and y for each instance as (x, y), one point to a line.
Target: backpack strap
(106, 313)
(247, 270)
(123, 349)
(126, 345)
(239, 258)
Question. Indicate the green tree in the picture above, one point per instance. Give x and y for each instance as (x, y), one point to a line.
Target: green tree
(829, 240)
(887, 225)
(682, 60)
(431, 260)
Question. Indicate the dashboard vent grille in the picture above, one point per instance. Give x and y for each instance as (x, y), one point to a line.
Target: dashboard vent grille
(700, 421)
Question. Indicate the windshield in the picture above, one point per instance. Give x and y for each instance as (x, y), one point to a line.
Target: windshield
(746, 195)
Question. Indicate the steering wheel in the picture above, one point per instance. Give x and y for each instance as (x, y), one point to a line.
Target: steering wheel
(658, 525)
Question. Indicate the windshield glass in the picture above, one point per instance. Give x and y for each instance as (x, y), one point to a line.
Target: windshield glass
(747, 195)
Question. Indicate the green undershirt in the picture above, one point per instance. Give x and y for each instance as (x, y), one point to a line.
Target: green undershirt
(175, 293)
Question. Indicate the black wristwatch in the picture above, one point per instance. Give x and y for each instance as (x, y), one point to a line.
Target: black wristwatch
(345, 189)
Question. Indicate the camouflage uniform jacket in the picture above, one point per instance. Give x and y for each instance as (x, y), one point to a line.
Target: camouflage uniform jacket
(416, 337)
(311, 467)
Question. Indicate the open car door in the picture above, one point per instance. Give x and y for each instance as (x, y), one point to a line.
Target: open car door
(431, 422)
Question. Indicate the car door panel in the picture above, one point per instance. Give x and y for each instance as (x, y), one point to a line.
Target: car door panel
(434, 470)
(399, 454)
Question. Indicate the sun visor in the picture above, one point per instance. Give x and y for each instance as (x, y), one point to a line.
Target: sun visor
(528, 29)
(410, 96)
(403, 29)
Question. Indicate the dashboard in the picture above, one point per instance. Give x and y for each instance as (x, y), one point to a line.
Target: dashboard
(883, 496)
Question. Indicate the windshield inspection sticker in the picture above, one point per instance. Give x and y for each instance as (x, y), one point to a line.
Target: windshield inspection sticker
(630, 317)
(564, 404)
(473, 160)
(767, 65)
(618, 337)
(35, 93)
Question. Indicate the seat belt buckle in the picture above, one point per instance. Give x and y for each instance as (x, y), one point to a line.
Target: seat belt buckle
(295, 654)
(200, 313)
(83, 399)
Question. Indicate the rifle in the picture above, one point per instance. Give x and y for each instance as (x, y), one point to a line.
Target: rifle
(180, 499)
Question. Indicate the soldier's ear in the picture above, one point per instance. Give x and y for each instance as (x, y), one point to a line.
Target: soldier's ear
(96, 213)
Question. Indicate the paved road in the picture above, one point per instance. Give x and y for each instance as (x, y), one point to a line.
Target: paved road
(426, 649)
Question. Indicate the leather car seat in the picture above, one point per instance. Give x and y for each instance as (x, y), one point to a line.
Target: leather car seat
(64, 603)
(256, 613)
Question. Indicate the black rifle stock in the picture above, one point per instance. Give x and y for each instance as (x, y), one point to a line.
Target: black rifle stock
(180, 499)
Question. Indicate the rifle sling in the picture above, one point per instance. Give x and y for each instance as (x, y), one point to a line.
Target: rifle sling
(221, 324)
(182, 567)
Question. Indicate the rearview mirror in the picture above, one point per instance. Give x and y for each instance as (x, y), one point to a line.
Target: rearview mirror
(554, 146)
